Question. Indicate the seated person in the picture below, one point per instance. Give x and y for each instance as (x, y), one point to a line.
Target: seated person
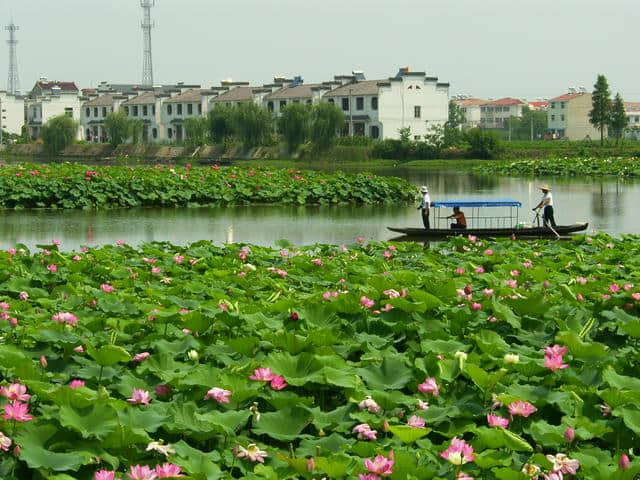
(461, 220)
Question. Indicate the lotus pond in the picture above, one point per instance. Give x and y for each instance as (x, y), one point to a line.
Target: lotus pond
(472, 360)
(569, 166)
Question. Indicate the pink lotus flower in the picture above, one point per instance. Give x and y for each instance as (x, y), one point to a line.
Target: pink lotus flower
(579, 297)
(120, 243)
(317, 261)
(488, 252)
(369, 404)
(497, 421)
(606, 296)
(104, 475)
(380, 465)
(149, 261)
(106, 288)
(163, 390)
(294, 316)
(4, 306)
(311, 465)
(605, 410)
(12, 251)
(581, 280)
(391, 293)
(476, 306)
(24, 296)
(5, 442)
(65, 317)
(624, 462)
(368, 476)
(636, 296)
(628, 286)
(614, 288)
(569, 434)
(479, 270)
(416, 421)
(527, 264)
(284, 252)
(472, 238)
(366, 302)
(520, 408)
(556, 350)
(554, 362)
(459, 452)
(512, 283)
(278, 382)
(364, 432)
(220, 395)
(563, 464)
(53, 268)
(387, 254)
(79, 349)
(43, 361)
(139, 472)
(168, 470)
(76, 384)
(156, 270)
(139, 397)
(430, 386)
(515, 273)
(488, 292)
(262, 375)
(141, 357)
(15, 391)
(17, 411)
(76, 258)
(251, 453)
(178, 259)
(423, 405)
(460, 270)
(387, 308)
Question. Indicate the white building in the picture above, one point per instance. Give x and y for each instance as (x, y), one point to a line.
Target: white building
(48, 100)
(381, 108)
(147, 106)
(568, 116)
(236, 93)
(496, 113)
(94, 112)
(308, 94)
(12, 107)
(471, 109)
(193, 102)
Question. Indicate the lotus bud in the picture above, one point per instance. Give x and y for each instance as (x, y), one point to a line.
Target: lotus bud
(512, 358)
(193, 355)
(624, 462)
(569, 434)
(294, 316)
(321, 433)
(311, 465)
(17, 450)
(385, 426)
(468, 289)
(43, 361)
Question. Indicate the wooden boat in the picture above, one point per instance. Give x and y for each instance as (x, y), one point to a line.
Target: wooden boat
(492, 232)
(505, 224)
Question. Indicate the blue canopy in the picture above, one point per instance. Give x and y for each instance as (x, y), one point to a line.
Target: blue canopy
(477, 203)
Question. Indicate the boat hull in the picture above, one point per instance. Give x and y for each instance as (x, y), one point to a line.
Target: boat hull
(492, 232)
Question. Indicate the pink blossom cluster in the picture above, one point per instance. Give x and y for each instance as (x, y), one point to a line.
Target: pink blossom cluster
(65, 317)
(143, 472)
(266, 375)
(459, 452)
(430, 386)
(553, 357)
(365, 432)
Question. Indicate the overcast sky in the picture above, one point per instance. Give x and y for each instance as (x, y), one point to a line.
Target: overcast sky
(487, 48)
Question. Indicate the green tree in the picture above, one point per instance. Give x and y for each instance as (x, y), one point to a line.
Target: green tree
(252, 124)
(601, 101)
(118, 127)
(618, 121)
(136, 130)
(58, 133)
(196, 130)
(220, 121)
(294, 125)
(326, 121)
(532, 124)
(456, 115)
(483, 144)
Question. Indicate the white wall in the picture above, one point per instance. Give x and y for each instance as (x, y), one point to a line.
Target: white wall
(12, 113)
(45, 108)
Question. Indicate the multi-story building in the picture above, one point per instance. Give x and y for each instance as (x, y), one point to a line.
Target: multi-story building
(193, 102)
(568, 117)
(12, 112)
(95, 110)
(49, 99)
(382, 108)
(307, 94)
(496, 113)
(147, 107)
(235, 93)
(471, 109)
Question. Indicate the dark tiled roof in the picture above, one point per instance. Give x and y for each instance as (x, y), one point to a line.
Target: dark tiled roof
(146, 98)
(101, 101)
(237, 94)
(64, 86)
(299, 91)
(189, 96)
(366, 87)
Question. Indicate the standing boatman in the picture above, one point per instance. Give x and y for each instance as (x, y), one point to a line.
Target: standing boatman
(547, 204)
(425, 205)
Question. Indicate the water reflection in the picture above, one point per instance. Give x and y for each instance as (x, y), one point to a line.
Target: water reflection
(607, 204)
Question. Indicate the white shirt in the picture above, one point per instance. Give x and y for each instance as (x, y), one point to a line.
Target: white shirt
(426, 201)
(547, 199)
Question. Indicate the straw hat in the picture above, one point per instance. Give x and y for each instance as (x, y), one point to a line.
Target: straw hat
(545, 187)
(424, 189)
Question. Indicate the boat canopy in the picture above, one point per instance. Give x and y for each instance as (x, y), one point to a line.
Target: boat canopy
(476, 203)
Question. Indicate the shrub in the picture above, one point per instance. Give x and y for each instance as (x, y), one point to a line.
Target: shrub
(482, 143)
(58, 133)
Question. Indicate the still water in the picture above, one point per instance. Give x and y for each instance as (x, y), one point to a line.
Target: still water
(608, 204)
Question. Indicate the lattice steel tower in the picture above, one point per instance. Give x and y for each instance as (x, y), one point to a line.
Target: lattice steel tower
(147, 25)
(13, 82)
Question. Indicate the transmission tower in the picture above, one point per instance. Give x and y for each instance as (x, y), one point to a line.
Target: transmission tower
(147, 25)
(13, 82)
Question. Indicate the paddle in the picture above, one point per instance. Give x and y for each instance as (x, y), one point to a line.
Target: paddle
(537, 219)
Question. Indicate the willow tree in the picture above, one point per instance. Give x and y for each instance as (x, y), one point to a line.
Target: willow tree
(58, 133)
(252, 124)
(326, 121)
(294, 125)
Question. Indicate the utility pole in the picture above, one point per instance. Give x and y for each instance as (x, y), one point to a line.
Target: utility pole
(13, 82)
(532, 125)
(350, 115)
(147, 25)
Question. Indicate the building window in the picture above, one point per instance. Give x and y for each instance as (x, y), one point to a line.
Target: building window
(374, 104)
(359, 103)
(562, 118)
(270, 106)
(637, 119)
(283, 103)
(189, 108)
(308, 102)
(104, 111)
(87, 111)
(179, 112)
(153, 110)
(553, 104)
(296, 101)
(345, 104)
(199, 109)
(561, 104)
(95, 112)
(88, 134)
(126, 110)
(170, 133)
(332, 101)
(135, 111)
(154, 133)
(417, 112)
(145, 111)
(374, 131)
(169, 110)
(553, 118)
(505, 109)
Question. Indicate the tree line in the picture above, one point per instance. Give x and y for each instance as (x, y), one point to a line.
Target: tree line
(607, 114)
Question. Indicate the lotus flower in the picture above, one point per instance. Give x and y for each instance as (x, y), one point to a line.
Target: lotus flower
(139, 397)
(139, 472)
(365, 432)
(168, 470)
(278, 383)
(463, 476)
(554, 363)
(141, 357)
(520, 408)
(366, 302)
(24, 296)
(5, 442)
(251, 453)
(380, 465)
(369, 404)
(160, 447)
(556, 350)
(106, 288)
(430, 386)
(178, 259)
(17, 411)
(53, 268)
(65, 317)
(569, 434)
(15, 391)
(220, 395)
(416, 422)
(104, 475)
(76, 384)
(262, 375)
(564, 464)
(497, 421)
(459, 452)
(624, 462)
